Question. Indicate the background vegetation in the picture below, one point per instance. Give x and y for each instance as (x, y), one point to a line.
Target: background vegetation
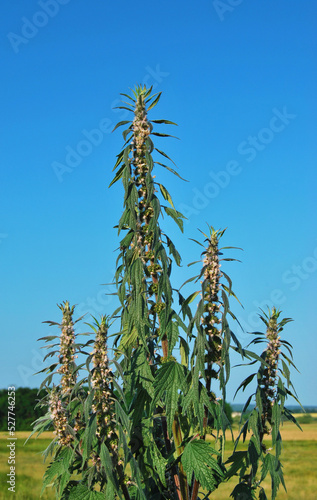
(25, 413)
(30, 466)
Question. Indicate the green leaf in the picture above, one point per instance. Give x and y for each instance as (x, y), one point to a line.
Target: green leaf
(238, 460)
(262, 494)
(123, 107)
(166, 195)
(253, 454)
(167, 122)
(154, 103)
(125, 134)
(165, 155)
(173, 251)
(156, 460)
(254, 424)
(118, 175)
(50, 337)
(198, 460)
(120, 124)
(81, 492)
(176, 216)
(170, 170)
(184, 351)
(276, 422)
(141, 370)
(159, 134)
(107, 464)
(275, 468)
(128, 339)
(110, 492)
(243, 491)
(89, 435)
(288, 414)
(169, 378)
(245, 383)
(54, 470)
(58, 469)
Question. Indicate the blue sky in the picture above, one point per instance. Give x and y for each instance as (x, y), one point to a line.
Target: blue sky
(239, 77)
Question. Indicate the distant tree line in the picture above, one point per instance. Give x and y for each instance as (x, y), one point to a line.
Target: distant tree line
(25, 413)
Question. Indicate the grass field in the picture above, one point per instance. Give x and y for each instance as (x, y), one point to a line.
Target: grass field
(299, 459)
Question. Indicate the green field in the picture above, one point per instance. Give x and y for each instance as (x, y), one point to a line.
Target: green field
(299, 459)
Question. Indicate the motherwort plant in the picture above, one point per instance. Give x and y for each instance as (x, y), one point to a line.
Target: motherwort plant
(150, 424)
(264, 421)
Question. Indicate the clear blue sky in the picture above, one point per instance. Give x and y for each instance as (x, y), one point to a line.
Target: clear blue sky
(239, 77)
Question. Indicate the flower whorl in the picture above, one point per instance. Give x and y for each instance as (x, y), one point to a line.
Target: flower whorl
(211, 287)
(101, 379)
(272, 352)
(59, 417)
(67, 350)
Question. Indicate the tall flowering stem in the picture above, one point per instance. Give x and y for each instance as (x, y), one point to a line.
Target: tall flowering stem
(103, 403)
(210, 354)
(148, 322)
(60, 396)
(268, 372)
(265, 419)
(143, 276)
(210, 320)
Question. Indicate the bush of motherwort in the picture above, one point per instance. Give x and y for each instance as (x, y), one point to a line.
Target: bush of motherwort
(135, 427)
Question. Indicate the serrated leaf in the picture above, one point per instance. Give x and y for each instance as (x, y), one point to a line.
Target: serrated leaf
(237, 459)
(198, 460)
(156, 461)
(169, 378)
(243, 491)
(58, 467)
(253, 454)
(81, 492)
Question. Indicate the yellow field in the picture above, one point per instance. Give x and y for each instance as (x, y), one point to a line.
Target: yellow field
(290, 432)
(299, 459)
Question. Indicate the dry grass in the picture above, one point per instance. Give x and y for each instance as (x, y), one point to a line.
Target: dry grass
(290, 432)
